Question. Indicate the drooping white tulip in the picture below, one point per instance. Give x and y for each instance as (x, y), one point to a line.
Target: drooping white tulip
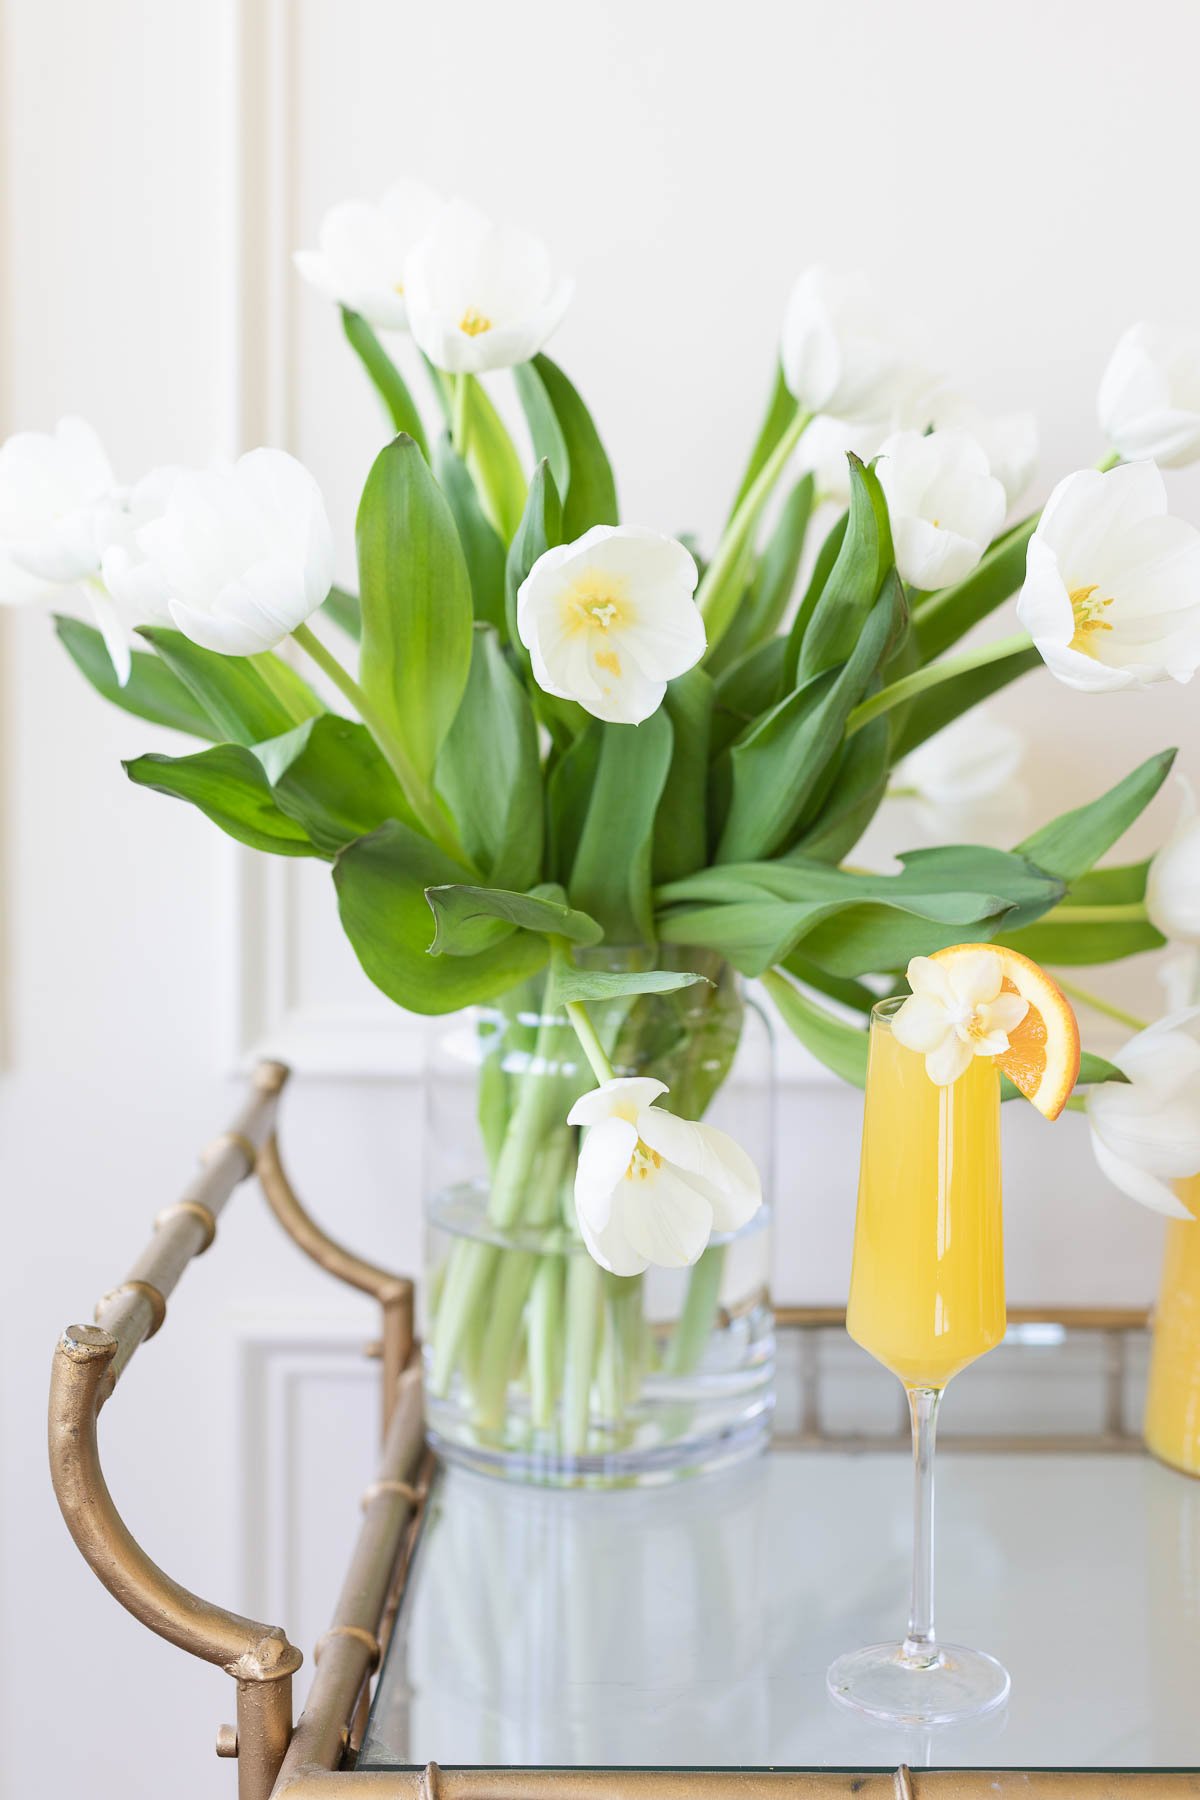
(1146, 1133)
(1149, 398)
(239, 556)
(1112, 582)
(1173, 879)
(957, 1012)
(481, 296)
(609, 619)
(651, 1188)
(969, 760)
(364, 248)
(836, 354)
(944, 503)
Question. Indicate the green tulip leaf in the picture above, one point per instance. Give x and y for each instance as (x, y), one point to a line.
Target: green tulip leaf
(840, 1046)
(610, 878)
(1095, 1069)
(489, 773)
(470, 918)
(344, 609)
(229, 787)
(329, 775)
(152, 692)
(493, 461)
(386, 378)
(596, 984)
(248, 697)
(563, 431)
(481, 545)
(1069, 845)
(416, 604)
(381, 881)
(681, 823)
(827, 638)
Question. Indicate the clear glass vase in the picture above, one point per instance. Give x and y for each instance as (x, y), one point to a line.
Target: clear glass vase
(540, 1365)
(1172, 1423)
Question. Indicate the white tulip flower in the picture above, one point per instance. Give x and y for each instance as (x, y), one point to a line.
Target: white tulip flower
(835, 352)
(1149, 398)
(364, 248)
(1009, 440)
(1146, 1133)
(969, 760)
(239, 556)
(55, 491)
(944, 503)
(957, 1012)
(609, 619)
(481, 296)
(1173, 879)
(651, 1188)
(1112, 583)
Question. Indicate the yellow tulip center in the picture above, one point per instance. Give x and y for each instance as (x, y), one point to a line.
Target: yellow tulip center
(596, 603)
(642, 1163)
(1089, 618)
(473, 323)
(398, 287)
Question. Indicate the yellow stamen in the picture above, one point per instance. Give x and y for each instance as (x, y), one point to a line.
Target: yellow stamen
(1089, 618)
(398, 287)
(642, 1162)
(595, 601)
(473, 323)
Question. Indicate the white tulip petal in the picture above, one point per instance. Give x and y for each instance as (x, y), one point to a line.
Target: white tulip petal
(364, 250)
(1147, 1189)
(1149, 398)
(1173, 880)
(712, 1160)
(622, 1098)
(610, 1246)
(666, 1217)
(113, 630)
(603, 1161)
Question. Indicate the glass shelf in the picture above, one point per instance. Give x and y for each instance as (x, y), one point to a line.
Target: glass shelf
(691, 1626)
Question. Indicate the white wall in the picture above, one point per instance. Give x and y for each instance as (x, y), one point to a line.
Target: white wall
(1018, 177)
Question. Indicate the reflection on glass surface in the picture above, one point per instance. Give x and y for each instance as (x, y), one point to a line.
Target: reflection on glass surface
(691, 1627)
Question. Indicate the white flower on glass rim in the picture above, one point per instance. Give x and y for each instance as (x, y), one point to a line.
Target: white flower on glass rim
(481, 296)
(1112, 583)
(835, 352)
(1173, 879)
(651, 1188)
(609, 619)
(1146, 1133)
(1149, 398)
(944, 503)
(239, 556)
(364, 248)
(957, 1012)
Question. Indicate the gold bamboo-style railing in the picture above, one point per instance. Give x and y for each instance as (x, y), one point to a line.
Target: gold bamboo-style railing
(87, 1364)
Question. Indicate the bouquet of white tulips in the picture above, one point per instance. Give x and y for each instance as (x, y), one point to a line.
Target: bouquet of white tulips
(578, 773)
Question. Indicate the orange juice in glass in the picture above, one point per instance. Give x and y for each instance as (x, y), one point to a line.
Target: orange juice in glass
(927, 1283)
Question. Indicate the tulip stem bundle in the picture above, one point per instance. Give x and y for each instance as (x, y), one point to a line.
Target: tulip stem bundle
(564, 743)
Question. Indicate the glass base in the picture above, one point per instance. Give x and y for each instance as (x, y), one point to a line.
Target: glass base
(958, 1684)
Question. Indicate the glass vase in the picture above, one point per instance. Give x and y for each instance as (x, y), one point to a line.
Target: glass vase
(1172, 1424)
(540, 1365)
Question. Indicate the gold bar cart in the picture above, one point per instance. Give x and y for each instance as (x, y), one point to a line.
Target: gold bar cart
(314, 1757)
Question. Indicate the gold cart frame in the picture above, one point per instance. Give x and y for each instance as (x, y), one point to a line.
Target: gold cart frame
(307, 1759)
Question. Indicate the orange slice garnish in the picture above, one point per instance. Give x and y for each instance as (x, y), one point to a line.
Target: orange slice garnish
(1042, 1058)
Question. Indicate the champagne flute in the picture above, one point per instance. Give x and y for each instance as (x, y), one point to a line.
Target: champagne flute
(926, 1299)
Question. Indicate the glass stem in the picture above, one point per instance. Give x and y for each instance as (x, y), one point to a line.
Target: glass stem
(920, 1642)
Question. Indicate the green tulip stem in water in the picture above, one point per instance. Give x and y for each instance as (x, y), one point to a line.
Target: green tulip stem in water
(699, 1311)
(921, 680)
(1098, 1004)
(719, 590)
(429, 814)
